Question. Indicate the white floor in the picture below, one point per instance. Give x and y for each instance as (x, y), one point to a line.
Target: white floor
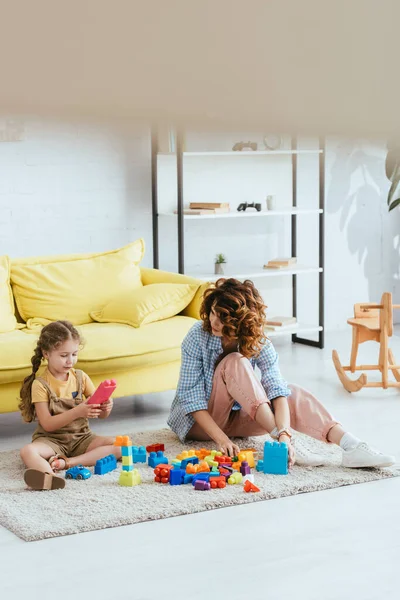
(338, 544)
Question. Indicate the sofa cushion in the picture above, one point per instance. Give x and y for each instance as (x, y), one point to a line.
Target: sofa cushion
(8, 321)
(72, 287)
(147, 304)
(108, 347)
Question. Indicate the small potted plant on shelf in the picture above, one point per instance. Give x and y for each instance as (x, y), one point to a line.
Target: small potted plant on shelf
(219, 261)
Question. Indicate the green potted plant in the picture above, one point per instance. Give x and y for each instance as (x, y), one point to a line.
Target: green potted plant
(219, 261)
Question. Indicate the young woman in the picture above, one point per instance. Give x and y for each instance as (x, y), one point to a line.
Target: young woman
(219, 396)
(57, 399)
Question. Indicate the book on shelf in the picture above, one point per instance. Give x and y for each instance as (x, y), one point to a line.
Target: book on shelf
(281, 263)
(209, 205)
(203, 211)
(291, 327)
(281, 322)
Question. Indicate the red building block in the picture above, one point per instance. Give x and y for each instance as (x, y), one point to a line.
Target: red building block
(223, 460)
(250, 487)
(155, 448)
(217, 482)
(162, 473)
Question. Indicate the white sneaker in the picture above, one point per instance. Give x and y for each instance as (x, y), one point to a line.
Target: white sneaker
(365, 456)
(305, 457)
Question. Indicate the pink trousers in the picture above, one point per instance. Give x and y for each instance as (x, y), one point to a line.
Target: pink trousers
(235, 380)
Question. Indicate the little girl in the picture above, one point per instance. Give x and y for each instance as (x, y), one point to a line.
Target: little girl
(58, 399)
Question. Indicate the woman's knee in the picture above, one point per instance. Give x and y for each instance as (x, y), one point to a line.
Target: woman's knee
(234, 360)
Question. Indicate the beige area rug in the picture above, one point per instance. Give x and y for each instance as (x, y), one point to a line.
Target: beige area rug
(100, 502)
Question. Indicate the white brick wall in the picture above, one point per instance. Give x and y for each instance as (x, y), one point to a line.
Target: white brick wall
(74, 187)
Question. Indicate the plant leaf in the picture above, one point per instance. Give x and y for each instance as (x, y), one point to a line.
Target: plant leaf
(394, 188)
(394, 204)
(391, 162)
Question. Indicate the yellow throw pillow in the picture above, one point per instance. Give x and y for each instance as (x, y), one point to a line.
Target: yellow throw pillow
(150, 303)
(71, 289)
(8, 322)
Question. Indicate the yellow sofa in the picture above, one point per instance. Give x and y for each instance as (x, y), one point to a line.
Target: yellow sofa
(142, 360)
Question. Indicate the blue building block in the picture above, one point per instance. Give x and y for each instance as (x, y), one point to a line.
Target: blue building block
(176, 463)
(191, 459)
(202, 477)
(176, 476)
(105, 465)
(188, 478)
(127, 467)
(157, 458)
(126, 450)
(139, 454)
(275, 459)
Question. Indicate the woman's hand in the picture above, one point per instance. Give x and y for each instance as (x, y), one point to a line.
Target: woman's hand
(88, 411)
(226, 446)
(291, 453)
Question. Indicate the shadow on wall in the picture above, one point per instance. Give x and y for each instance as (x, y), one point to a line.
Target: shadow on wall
(358, 191)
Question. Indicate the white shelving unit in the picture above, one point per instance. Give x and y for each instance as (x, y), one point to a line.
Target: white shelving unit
(291, 210)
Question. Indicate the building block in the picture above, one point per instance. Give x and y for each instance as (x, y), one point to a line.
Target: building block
(139, 454)
(188, 478)
(217, 482)
(155, 448)
(190, 459)
(126, 450)
(130, 478)
(123, 440)
(176, 476)
(176, 463)
(105, 465)
(127, 467)
(250, 487)
(185, 454)
(275, 459)
(248, 456)
(157, 458)
(103, 392)
(225, 468)
(202, 453)
(249, 477)
(201, 477)
(223, 459)
(235, 478)
(162, 473)
(126, 461)
(202, 485)
(244, 468)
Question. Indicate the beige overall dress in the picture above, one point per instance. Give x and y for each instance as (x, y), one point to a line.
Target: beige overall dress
(72, 439)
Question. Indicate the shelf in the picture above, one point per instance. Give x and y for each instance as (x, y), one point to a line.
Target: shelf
(256, 271)
(250, 214)
(299, 330)
(244, 153)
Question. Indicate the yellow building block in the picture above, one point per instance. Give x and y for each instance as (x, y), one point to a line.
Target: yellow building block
(127, 461)
(130, 478)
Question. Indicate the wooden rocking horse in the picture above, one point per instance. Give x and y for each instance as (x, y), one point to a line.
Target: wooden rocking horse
(371, 322)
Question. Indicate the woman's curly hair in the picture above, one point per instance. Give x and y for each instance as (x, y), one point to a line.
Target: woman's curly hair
(241, 311)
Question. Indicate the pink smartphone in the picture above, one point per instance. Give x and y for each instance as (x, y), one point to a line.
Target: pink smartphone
(103, 392)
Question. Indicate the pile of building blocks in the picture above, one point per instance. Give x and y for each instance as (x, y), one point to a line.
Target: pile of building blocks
(275, 459)
(129, 476)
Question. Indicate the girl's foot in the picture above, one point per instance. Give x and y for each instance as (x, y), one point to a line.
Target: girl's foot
(365, 456)
(59, 462)
(37, 480)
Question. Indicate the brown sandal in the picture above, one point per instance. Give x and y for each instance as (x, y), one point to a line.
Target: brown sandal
(60, 457)
(38, 480)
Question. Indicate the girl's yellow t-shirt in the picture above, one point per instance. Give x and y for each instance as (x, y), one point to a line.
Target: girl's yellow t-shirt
(62, 389)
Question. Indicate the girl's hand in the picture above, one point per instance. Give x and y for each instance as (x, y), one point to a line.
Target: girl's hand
(226, 446)
(89, 411)
(291, 453)
(106, 408)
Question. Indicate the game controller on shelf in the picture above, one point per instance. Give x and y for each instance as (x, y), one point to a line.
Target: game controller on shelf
(243, 205)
